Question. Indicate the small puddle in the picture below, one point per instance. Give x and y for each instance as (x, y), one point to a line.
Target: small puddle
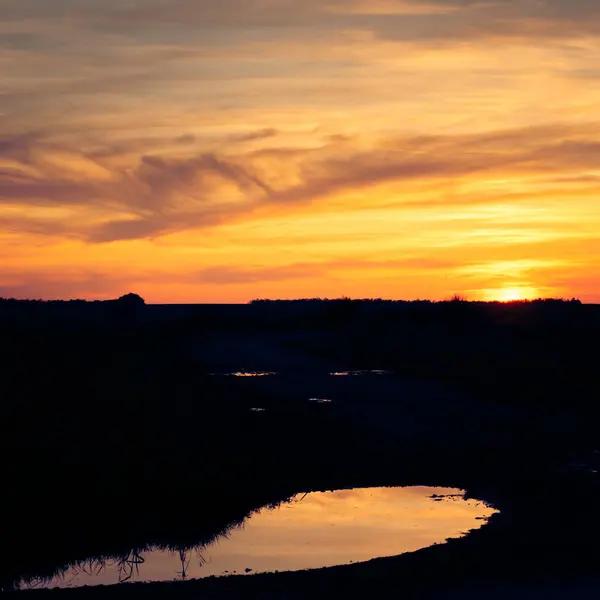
(244, 374)
(320, 400)
(354, 373)
(314, 530)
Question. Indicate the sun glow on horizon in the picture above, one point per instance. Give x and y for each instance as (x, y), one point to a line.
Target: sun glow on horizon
(511, 294)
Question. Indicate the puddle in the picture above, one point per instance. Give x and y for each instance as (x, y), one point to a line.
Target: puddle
(587, 463)
(320, 400)
(583, 468)
(353, 373)
(313, 530)
(244, 374)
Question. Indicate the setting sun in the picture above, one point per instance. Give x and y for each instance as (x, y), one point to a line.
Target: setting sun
(512, 294)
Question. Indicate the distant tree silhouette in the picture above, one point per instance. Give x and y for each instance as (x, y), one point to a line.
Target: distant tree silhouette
(455, 299)
(126, 300)
(133, 300)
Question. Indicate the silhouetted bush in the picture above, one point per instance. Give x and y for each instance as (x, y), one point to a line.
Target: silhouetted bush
(132, 300)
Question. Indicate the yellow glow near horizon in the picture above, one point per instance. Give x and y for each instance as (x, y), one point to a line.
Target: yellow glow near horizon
(511, 294)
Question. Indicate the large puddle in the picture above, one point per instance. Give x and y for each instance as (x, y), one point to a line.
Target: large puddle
(314, 530)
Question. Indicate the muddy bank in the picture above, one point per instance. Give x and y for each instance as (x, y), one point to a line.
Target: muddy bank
(545, 533)
(548, 523)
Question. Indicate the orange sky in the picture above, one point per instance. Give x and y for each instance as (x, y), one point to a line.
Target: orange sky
(202, 151)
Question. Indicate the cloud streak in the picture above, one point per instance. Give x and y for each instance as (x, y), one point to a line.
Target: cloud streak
(160, 194)
(228, 275)
(410, 20)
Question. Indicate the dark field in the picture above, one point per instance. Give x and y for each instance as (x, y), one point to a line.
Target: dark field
(116, 434)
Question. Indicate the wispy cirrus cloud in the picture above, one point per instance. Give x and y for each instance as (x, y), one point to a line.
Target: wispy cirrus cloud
(160, 194)
(235, 275)
(411, 20)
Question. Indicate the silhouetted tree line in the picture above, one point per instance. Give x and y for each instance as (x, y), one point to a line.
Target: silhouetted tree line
(453, 300)
(126, 300)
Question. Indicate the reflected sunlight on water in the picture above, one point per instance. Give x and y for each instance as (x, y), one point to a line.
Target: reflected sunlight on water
(313, 530)
(363, 372)
(244, 374)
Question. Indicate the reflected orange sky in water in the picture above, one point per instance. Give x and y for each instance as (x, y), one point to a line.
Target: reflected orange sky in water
(202, 151)
(318, 530)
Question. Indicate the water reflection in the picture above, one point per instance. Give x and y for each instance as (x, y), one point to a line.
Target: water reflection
(245, 374)
(363, 372)
(312, 530)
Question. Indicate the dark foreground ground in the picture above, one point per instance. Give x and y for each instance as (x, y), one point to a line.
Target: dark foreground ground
(115, 435)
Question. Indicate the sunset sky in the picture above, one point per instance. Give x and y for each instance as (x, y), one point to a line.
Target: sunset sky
(224, 150)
